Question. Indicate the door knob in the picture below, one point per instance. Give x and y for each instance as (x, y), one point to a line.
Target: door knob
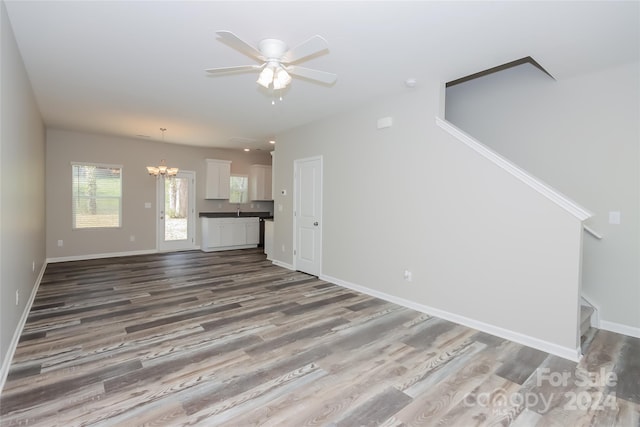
(315, 223)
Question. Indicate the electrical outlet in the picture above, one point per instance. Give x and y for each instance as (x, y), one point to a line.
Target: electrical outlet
(283, 248)
(132, 238)
(60, 243)
(408, 276)
(17, 296)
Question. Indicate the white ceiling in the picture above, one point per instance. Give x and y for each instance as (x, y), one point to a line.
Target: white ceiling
(131, 67)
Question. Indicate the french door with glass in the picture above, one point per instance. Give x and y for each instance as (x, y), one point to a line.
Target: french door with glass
(176, 212)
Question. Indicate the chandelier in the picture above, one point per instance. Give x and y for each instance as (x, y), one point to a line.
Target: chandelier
(162, 169)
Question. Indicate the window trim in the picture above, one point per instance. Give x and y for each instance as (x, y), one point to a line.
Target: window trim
(120, 198)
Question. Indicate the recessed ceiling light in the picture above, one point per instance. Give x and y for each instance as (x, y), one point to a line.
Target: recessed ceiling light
(272, 142)
(246, 149)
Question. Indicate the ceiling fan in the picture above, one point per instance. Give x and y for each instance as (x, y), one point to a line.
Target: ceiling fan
(277, 60)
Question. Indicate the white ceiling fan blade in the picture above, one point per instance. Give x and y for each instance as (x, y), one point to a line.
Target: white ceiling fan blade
(308, 73)
(223, 70)
(314, 45)
(240, 45)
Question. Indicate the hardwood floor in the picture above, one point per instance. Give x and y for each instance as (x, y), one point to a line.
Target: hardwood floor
(226, 338)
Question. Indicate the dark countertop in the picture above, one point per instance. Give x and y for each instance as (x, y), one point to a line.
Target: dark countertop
(233, 214)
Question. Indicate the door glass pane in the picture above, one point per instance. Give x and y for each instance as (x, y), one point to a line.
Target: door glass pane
(176, 207)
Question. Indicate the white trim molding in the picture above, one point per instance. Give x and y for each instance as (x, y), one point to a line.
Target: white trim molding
(533, 182)
(283, 264)
(619, 328)
(13, 345)
(98, 256)
(599, 323)
(573, 354)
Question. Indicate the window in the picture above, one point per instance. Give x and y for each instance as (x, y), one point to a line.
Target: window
(96, 195)
(239, 189)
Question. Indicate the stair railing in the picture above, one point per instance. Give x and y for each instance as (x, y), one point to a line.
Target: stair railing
(592, 232)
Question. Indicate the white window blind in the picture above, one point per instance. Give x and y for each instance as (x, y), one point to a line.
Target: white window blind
(97, 195)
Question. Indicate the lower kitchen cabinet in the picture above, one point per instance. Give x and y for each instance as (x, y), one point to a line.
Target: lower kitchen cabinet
(221, 234)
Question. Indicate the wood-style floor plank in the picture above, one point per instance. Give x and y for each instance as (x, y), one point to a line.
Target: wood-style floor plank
(227, 338)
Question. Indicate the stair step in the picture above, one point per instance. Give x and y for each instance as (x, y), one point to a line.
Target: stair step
(585, 318)
(586, 339)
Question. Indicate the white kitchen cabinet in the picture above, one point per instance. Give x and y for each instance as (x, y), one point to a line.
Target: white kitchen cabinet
(218, 179)
(253, 232)
(260, 182)
(220, 234)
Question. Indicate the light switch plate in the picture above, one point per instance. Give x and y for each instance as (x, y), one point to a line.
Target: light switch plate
(614, 217)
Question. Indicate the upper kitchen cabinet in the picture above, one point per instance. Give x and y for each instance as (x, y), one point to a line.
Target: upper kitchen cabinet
(260, 182)
(218, 179)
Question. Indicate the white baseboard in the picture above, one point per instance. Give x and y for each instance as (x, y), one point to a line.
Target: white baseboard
(6, 363)
(598, 323)
(283, 264)
(98, 256)
(228, 248)
(620, 328)
(573, 354)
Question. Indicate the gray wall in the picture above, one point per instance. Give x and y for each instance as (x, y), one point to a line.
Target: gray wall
(22, 211)
(581, 135)
(480, 243)
(64, 147)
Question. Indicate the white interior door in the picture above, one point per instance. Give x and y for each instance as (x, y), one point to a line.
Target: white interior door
(308, 215)
(176, 212)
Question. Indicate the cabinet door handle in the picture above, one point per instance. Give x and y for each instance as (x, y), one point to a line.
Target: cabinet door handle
(315, 223)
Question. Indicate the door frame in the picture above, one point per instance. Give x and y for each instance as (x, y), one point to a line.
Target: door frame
(190, 243)
(294, 252)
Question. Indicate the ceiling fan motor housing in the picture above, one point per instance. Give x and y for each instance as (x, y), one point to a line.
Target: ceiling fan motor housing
(272, 48)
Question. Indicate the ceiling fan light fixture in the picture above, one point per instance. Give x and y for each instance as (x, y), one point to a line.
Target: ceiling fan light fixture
(266, 77)
(277, 60)
(281, 79)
